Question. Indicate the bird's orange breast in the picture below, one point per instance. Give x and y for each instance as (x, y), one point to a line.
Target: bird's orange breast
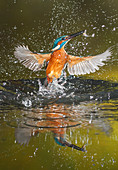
(56, 64)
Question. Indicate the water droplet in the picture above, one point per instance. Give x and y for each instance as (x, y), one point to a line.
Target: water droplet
(91, 97)
(4, 83)
(114, 29)
(93, 35)
(15, 27)
(41, 51)
(14, 1)
(94, 28)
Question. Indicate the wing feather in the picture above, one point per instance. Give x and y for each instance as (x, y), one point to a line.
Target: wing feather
(87, 65)
(33, 61)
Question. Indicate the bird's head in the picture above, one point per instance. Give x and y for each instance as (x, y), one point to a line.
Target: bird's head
(63, 40)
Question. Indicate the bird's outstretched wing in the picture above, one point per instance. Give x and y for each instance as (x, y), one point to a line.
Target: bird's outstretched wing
(86, 65)
(33, 61)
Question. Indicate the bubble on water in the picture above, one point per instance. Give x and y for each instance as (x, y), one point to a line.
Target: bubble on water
(27, 102)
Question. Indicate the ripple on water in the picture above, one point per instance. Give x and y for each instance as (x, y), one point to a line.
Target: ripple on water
(31, 93)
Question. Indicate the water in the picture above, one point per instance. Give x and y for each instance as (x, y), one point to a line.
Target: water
(35, 121)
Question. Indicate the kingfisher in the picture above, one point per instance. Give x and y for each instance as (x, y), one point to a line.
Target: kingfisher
(58, 58)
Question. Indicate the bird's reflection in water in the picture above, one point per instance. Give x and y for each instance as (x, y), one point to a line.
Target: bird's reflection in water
(54, 120)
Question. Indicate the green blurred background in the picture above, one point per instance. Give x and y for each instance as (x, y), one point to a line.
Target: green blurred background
(37, 23)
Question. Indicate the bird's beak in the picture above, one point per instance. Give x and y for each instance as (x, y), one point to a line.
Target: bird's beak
(75, 35)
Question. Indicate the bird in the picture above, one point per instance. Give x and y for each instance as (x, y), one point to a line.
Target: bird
(58, 58)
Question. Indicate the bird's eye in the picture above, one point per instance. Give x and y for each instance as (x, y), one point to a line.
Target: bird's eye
(63, 38)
